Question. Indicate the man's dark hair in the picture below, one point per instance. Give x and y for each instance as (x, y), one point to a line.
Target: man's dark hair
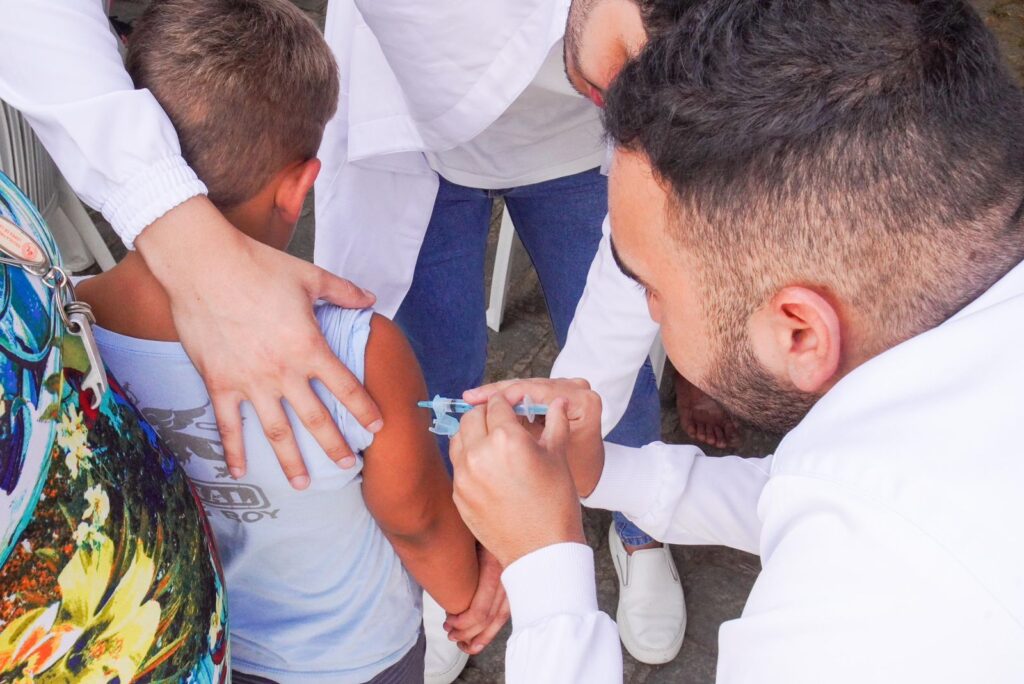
(661, 15)
(248, 84)
(871, 148)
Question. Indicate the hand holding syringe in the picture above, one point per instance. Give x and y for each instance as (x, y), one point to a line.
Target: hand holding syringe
(446, 424)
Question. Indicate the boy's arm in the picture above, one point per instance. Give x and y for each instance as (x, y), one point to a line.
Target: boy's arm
(405, 484)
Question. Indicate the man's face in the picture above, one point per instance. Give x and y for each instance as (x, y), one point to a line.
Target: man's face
(600, 37)
(706, 334)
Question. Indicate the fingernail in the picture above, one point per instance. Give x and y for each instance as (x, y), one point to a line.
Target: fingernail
(376, 426)
(477, 649)
(347, 462)
(446, 627)
(299, 481)
(236, 472)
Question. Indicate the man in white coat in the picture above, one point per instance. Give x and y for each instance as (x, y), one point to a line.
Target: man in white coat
(823, 201)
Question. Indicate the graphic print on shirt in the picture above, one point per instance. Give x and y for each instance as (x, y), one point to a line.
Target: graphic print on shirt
(192, 433)
(187, 433)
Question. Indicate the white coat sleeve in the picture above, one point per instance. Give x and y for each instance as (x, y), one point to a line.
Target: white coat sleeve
(610, 335)
(60, 67)
(558, 633)
(679, 495)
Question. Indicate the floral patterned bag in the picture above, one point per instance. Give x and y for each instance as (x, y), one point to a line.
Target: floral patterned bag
(107, 571)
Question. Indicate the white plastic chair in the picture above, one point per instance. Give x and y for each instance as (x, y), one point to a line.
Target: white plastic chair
(500, 283)
(23, 158)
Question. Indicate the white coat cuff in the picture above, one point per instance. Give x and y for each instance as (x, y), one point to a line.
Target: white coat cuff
(627, 482)
(554, 580)
(149, 195)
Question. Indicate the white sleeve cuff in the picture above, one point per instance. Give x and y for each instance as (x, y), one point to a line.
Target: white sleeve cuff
(555, 580)
(629, 481)
(149, 195)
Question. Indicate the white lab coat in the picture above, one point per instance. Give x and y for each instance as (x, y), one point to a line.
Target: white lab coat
(415, 76)
(427, 77)
(60, 66)
(889, 523)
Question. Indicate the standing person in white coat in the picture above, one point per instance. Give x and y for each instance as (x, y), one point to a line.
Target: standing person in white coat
(447, 106)
(823, 201)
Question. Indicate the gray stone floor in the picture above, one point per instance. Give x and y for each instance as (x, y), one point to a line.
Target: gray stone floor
(716, 580)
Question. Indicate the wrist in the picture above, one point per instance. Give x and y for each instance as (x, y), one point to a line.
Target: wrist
(568, 532)
(175, 244)
(587, 468)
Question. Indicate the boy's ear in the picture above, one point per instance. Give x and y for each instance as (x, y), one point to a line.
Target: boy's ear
(295, 185)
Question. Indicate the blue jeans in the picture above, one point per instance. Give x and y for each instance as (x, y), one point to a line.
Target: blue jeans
(559, 224)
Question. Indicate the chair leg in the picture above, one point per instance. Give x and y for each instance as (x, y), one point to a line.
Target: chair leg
(499, 277)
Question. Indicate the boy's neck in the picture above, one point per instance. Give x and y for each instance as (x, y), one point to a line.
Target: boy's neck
(129, 300)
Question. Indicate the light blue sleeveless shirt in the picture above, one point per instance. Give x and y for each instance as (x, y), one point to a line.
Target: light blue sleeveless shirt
(315, 591)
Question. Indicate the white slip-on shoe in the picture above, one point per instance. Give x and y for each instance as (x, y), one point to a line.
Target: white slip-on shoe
(652, 612)
(444, 660)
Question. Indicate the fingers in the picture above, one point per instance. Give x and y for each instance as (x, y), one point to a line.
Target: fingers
(499, 617)
(278, 431)
(500, 414)
(229, 424)
(480, 395)
(539, 389)
(340, 381)
(556, 428)
(338, 291)
(320, 423)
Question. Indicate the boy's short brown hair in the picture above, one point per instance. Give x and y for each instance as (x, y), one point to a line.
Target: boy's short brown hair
(248, 84)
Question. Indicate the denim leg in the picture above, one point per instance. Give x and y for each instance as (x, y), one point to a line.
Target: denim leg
(443, 315)
(559, 223)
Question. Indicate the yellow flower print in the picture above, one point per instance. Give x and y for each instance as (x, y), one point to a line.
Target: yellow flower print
(87, 535)
(99, 505)
(73, 438)
(216, 624)
(31, 644)
(121, 623)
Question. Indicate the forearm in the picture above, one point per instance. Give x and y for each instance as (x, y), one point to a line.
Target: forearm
(679, 495)
(60, 66)
(441, 555)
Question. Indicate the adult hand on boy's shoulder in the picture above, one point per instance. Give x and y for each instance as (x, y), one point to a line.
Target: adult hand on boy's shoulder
(476, 627)
(492, 450)
(243, 312)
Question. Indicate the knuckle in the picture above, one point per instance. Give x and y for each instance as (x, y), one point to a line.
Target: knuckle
(316, 419)
(581, 383)
(337, 452)
(277, 432)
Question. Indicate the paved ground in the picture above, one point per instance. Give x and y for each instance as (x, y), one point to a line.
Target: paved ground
(716, 580)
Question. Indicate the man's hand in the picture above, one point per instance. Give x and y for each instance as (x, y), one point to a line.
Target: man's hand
(515, 494)
(475, 628)
(583, 409)
(244, 313)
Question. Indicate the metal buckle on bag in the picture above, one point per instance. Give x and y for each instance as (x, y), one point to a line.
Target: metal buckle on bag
(18, 248)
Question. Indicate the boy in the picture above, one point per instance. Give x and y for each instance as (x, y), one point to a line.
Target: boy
(315, 591)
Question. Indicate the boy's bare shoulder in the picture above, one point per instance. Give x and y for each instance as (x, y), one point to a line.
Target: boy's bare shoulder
(392, 376)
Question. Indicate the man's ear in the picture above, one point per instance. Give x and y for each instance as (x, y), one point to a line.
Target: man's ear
(797, 336)
(295, 185)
